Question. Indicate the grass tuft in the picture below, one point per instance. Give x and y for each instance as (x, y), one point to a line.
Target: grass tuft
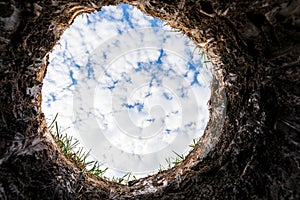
(124, 179)
(70, 148)
(171, 161)
(193, 145)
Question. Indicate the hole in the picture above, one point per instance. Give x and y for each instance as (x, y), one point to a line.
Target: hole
(132, 91)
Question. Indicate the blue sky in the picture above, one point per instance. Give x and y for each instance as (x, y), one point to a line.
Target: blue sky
(129, 88)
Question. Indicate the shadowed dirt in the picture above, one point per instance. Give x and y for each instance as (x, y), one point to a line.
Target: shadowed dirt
(254, 46)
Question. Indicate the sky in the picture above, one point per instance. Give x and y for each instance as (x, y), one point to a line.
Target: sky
(129, 88)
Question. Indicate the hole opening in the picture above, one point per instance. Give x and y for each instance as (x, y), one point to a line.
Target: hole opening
(174, 158)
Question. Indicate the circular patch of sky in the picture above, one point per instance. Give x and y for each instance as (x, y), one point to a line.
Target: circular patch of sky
(130, 89)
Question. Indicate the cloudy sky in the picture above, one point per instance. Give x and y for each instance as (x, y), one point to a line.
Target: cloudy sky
(129, 88)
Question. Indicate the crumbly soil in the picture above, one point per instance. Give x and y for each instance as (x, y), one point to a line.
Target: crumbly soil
(252, 154)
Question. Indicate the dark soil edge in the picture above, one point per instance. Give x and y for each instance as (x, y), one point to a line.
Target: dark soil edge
(255, 46)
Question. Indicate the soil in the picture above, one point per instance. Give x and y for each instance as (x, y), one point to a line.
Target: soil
(254, 153)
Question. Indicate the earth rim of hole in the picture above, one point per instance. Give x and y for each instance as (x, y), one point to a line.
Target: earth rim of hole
(254, 46)
(213, 129)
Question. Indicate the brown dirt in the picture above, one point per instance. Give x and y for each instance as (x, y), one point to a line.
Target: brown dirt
(254, 45)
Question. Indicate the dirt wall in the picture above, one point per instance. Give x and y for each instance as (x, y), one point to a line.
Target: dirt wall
(254, 46)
